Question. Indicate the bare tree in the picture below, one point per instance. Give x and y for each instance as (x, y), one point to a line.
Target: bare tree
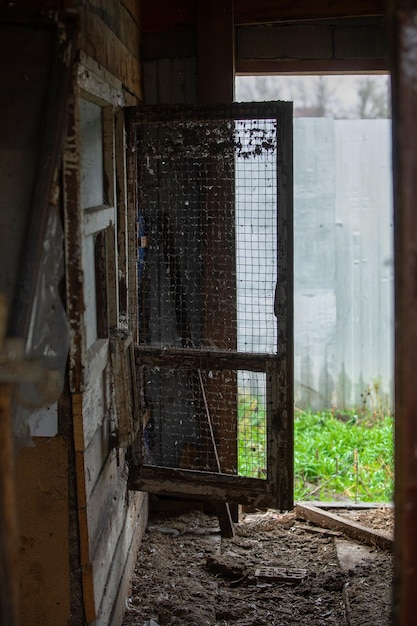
(373, 98)
(313, 96)
(322, 96)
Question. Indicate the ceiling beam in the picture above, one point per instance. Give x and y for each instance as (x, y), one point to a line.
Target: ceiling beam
(273, 11)
(216, 54)
(268, 67)
(157, 15)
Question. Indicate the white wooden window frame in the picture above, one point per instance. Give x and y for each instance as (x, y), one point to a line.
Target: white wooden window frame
(99, 87)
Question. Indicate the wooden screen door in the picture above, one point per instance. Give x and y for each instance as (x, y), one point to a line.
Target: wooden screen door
(213, 194)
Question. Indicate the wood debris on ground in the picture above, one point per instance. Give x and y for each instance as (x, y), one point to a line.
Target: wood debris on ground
(197, 578)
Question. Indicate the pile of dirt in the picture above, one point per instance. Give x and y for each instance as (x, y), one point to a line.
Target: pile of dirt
(277, 570)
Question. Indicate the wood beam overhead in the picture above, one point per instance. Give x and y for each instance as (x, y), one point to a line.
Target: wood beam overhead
(215, 51)
(158, 15)
(272, 11)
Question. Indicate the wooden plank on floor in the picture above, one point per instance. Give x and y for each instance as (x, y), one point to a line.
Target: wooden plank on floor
(356, 531)
(350, 506)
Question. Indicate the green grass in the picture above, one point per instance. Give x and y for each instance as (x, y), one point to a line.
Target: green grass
(251, 437)
(348, 454)
(337, 455)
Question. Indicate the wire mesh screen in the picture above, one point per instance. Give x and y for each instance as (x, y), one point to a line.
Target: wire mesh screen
(182, 422)
(186, 211)
(256, 238)
(207, 270)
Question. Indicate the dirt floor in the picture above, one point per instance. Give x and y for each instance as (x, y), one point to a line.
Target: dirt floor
(277, 570)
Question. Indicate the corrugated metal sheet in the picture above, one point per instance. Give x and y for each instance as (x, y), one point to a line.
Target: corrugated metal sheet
(343, 263)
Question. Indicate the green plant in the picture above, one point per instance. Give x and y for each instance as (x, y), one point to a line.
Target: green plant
(375, 403)
(251, 436)
(347, 453)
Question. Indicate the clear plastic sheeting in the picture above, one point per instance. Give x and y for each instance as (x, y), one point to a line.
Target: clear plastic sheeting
(47, 342)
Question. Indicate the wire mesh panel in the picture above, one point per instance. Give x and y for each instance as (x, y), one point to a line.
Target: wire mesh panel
(181, 428)
(213, 188)
(256, 237)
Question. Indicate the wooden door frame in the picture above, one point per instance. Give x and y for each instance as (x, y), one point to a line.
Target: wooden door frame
(227, 486)
(403, 25)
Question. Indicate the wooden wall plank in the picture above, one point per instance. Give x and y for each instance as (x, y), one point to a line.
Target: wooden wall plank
(215, 51)
(119, 19)
(114, 56)
(109, 483)
(112, 512)
(95, 457)
(98, 84)
(289, 41)
(87, 575)
(173, 43)
(170, 80)
(190, 80)
(112, 526)
(164, 80)
(116, 591)
(109, 75)
(342, 45)
(94, 410)
(133, 6)
(178, 81)
(73, 246)
(42, 489)
(150, 82)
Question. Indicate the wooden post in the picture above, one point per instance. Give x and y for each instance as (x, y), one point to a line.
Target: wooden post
(216, 75)
(403, 21)
(216, 51)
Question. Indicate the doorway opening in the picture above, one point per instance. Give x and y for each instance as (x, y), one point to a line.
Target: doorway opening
(343, 282)
(199, 353)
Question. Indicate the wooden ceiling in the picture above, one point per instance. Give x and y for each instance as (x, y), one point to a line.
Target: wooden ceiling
(159, 15)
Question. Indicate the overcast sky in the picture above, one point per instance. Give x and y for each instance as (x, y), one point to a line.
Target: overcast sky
(341, 90)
